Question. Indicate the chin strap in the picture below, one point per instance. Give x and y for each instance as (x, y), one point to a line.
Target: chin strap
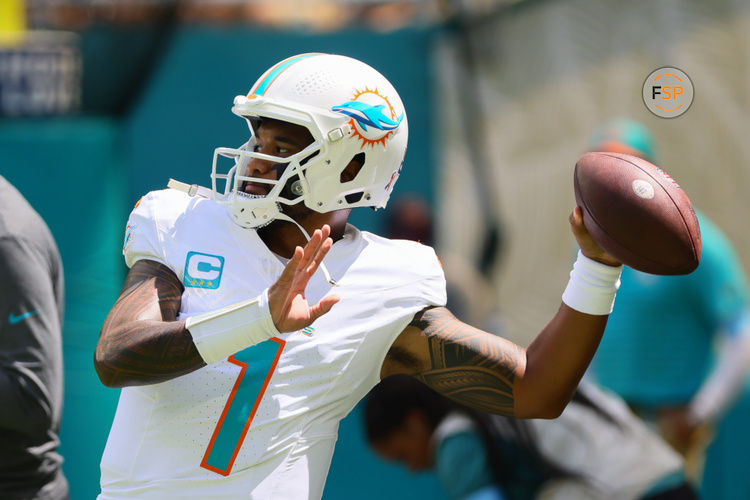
(196, 190)
(323, 267)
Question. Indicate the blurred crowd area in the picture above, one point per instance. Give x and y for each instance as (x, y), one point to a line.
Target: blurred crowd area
(56, 56)
(317, 15)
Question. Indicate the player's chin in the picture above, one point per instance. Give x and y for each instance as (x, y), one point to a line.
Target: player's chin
(297, 210)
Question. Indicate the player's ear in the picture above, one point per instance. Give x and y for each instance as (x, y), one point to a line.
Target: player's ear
(353, 168)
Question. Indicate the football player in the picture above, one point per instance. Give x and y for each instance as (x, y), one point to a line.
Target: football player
(254, 318)
(659, 353)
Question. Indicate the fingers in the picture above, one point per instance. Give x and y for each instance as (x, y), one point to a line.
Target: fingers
(322, 307)
(289, 308)
(577, 227)
(589, 247)
(310, 248)
(287, 275)
(306, 260)
(315, 251)
(320, 255)
(576, 220)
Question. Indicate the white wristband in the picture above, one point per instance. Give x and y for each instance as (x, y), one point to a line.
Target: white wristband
(592, 286)
(218, 334)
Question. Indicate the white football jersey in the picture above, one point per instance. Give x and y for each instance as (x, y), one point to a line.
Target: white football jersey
(261, 424)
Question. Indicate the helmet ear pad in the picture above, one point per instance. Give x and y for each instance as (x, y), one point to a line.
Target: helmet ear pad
(293, 188)
(350, 173)
(353, 168)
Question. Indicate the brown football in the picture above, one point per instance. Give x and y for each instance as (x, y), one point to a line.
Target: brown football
(637, 213)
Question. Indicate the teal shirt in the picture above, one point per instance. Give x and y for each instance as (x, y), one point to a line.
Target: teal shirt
(464, 469)
(658, 345)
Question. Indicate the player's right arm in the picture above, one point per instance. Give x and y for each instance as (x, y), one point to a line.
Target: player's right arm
(141, 341)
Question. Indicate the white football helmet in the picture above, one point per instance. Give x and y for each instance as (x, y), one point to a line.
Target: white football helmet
(349, 108)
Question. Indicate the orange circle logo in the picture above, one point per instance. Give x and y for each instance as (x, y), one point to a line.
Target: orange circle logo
(373, 118)
(668, 92)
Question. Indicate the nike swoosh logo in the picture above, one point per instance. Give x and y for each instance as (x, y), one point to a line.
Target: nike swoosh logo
(13, 319)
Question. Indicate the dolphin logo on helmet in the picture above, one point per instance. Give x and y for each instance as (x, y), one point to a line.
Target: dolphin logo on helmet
(367, 114)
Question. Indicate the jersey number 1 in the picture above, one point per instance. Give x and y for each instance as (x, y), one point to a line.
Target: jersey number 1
(242, 404)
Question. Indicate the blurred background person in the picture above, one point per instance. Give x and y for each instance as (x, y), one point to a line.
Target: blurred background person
(677, 348)
(597, 449)
(31, 368)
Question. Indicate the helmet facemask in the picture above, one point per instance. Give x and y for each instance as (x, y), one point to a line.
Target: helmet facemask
(255, 210)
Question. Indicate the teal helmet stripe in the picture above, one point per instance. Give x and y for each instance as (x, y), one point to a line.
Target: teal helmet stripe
(277, 70)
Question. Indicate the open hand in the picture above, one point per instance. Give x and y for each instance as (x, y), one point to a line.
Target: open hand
(290, 310)
(677, 428)
(589, 247)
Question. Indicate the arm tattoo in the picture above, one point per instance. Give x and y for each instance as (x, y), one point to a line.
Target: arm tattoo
(141, 341)
(471, 366)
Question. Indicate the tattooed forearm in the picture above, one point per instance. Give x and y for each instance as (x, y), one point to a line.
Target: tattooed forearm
(467, 364)
(141, 342)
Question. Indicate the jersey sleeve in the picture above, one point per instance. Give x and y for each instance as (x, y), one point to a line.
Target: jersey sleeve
(30, 341)
(142, 237)
(401, 278)
(431, 288)
(408, 271)
(722, 283)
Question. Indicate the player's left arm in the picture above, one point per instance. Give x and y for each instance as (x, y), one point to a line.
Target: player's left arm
(490, 373)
